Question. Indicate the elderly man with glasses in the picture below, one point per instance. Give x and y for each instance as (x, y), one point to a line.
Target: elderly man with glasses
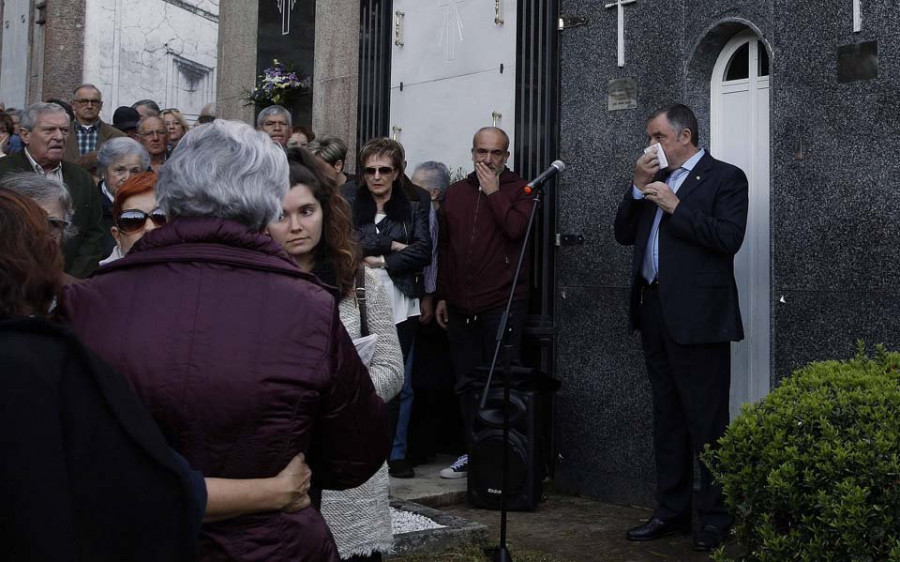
(154, 135)
(87, 131)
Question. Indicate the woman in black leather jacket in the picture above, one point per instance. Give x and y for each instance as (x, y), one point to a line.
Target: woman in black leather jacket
(393, 234)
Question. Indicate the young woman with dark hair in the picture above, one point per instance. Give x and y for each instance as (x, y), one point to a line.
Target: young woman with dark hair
(315, 229)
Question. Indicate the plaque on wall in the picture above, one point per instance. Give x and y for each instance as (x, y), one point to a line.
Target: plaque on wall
(622, 94)
(858, 61)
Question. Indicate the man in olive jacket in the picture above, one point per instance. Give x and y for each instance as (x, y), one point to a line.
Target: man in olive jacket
(45, 130)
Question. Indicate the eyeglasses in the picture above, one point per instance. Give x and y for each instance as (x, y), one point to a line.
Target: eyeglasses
(132, 220)
(89, 102)
(383, 170)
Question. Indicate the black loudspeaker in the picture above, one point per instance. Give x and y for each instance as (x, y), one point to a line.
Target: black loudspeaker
(485, 435)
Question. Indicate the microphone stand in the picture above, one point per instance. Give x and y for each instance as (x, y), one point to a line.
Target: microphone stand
(501, 553)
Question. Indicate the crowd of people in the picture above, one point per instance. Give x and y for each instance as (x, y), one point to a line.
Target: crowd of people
(216, 328)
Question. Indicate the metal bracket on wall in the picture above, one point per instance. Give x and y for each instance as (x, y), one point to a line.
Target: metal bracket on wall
(569, 22)
(396, 132)
(569, 239)
(497, 19)
(495, 118)
(399, 18)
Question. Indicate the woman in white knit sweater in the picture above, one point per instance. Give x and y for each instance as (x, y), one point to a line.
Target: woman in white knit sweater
(314, 227)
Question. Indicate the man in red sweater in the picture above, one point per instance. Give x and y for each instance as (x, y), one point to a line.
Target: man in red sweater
(483, 222)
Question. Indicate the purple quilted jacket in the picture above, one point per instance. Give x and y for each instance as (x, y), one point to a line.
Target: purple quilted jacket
(243, 362)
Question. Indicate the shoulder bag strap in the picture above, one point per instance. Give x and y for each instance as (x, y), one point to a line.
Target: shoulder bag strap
(361, 301)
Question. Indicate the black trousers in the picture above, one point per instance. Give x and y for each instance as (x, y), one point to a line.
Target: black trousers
(690, 409)
(473, 339)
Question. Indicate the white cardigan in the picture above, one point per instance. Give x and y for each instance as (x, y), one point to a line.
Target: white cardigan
(360, 518)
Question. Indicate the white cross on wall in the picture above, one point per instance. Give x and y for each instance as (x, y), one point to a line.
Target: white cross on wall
(857, 17)
(620, 8)
(285, 7)
(453, 28)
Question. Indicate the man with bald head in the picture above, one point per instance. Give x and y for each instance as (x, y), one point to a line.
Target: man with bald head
(483, 225)
(87, 132)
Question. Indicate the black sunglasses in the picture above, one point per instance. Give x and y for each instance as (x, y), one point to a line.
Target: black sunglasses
(131, 220)
(384, 170)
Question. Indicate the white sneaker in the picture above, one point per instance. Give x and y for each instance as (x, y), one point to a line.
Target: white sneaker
(459, 469)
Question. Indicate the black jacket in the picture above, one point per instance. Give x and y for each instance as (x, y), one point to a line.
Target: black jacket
(405, 222)
(86, 472)
(697, 244)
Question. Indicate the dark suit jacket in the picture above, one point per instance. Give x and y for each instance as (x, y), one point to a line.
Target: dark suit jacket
(697, 244)
(107, 132)
(83, 251)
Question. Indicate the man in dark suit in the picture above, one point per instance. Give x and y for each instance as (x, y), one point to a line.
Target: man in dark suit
(686, 222)
(45, 129)
(87, 132)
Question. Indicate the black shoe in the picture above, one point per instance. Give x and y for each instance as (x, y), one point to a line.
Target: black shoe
(656, 528)
(400, 468)
(709, 537)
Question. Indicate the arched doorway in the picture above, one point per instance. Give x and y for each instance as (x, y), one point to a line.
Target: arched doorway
(739, 134)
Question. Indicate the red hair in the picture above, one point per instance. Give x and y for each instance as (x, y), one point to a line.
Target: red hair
(135, 185)
(31, 263)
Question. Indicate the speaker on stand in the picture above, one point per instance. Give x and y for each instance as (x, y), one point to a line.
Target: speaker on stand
(525, 473)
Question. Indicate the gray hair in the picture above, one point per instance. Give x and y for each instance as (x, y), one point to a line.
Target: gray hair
(86, 85)
(117, 148)
(42, 190)
(329, 148)
(148, 117)
(31, 113)
(150, 104)
(225, 169)
(273, 110)
(437, 176)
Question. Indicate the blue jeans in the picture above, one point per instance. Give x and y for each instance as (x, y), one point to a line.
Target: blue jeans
(402, 403)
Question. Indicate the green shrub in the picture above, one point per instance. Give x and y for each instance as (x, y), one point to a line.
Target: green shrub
(812, 471)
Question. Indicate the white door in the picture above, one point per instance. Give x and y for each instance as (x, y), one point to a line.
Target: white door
(740, 136)
(16, 53)
(446, 78)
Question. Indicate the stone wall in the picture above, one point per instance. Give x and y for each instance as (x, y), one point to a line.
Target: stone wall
(834, 249)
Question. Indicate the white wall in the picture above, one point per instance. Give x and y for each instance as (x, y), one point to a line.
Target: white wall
(136, 49)
(16, 53)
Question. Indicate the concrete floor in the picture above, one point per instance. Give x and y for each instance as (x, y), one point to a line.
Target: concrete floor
(428, 488)
(570, 528)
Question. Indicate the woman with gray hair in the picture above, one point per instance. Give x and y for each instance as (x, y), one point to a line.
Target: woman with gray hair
(240, 355)
(51, 196)
(118, 159)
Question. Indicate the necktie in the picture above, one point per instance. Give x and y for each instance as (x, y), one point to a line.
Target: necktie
(650, 266)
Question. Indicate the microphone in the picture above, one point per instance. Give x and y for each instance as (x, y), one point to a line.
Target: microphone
(556, 167)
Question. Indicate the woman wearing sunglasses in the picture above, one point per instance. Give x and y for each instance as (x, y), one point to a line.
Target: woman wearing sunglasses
(395, 241)
(314, 229)
(135, 213)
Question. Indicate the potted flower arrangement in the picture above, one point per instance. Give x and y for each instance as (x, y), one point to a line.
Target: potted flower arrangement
(278, 85)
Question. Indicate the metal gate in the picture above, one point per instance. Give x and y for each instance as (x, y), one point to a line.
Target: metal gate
(374, 70)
